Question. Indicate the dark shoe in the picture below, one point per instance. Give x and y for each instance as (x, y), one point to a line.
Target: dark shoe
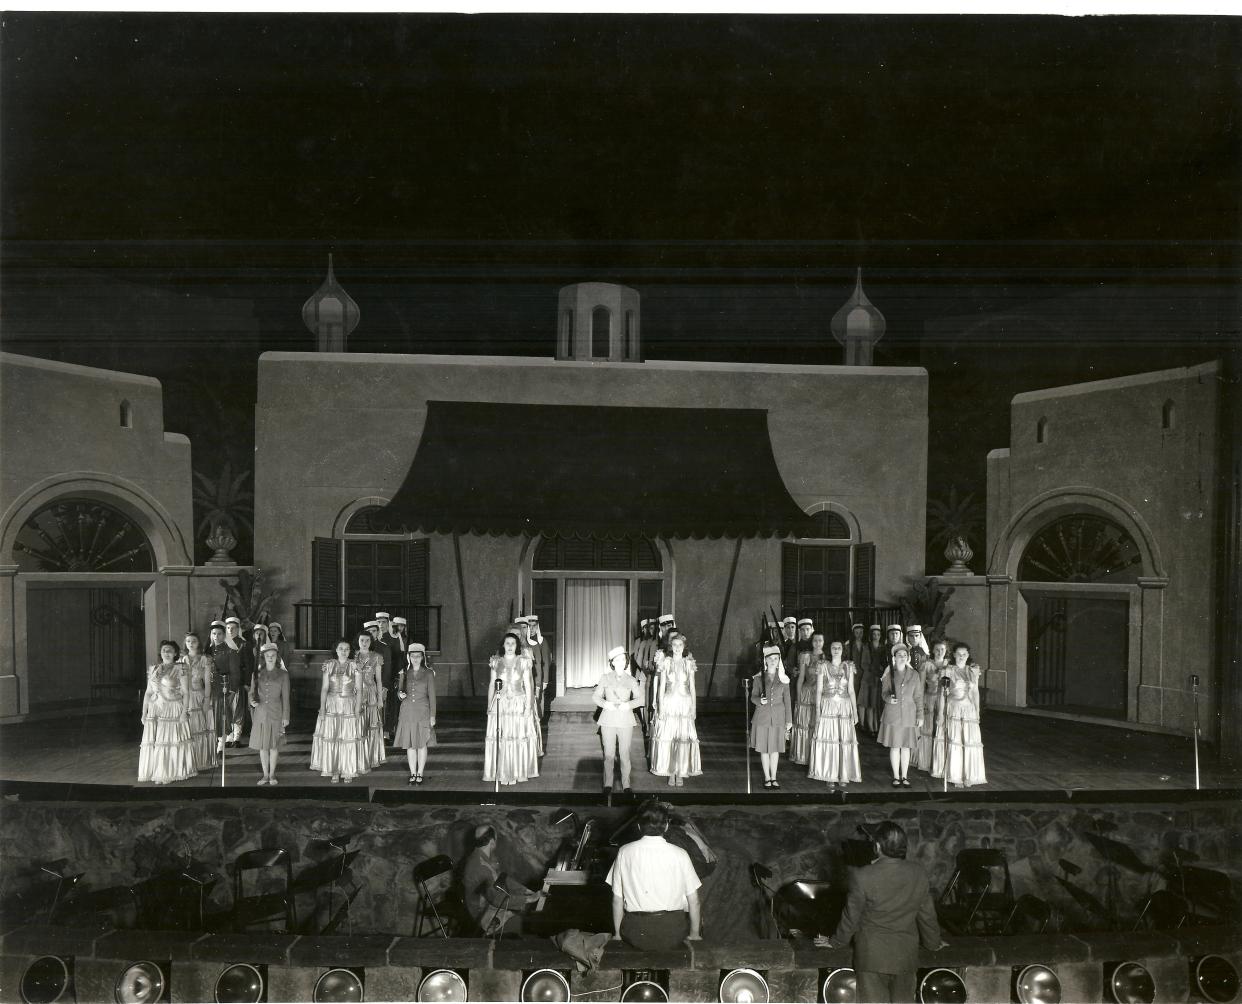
(775, 783)
(418, 778)
(629, 791)
(896, 782)
(905, 782)
(412, 779)
(608, 791)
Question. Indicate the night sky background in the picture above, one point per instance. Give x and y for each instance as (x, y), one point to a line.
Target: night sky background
(171, 185)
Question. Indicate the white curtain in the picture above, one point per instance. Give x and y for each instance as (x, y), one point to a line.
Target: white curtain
(594, 623)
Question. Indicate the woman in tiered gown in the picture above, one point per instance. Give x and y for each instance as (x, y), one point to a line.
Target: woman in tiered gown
(510, 749)
(167, 751)
(269, 709)
(834, 746)
(674, 740)
(201, 671)
(371, 667)
(805, 710)
(337, 750)
(933, 669)
(960, 724)
(416, 721)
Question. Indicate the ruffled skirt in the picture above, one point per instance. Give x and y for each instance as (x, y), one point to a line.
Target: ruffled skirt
(923, 753)
(338, 744)
(513, 755)
(675, 741)
(965, 749)
(167, 751)
(202, 730)
(373, 740)
(803, 725)
(834, 746)
(414, 729)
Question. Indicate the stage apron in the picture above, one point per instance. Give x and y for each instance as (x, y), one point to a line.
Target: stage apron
(595, 620)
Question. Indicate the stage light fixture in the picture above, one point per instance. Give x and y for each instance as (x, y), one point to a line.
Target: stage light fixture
(442, 985)
(545, 985)
(241, 984)
(839, 987)
(1036, 984)
(643, 987)
(47, 979)
(141, 983)
(1129, 983)
(338, 986)
(743, 986)
(941, 986)
(1214, 979)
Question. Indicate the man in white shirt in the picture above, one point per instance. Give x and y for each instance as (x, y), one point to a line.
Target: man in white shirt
(655, 890)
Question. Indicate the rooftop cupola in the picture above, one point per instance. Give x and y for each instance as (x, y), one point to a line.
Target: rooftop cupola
(599, 321)
(330, 314)
(858, 325)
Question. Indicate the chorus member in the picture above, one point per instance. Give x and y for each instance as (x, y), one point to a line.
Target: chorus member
(961, 723)
(870, 669)
(643, 659)
(888, 912)
(227, 660)
(416, 722)
(527, 629)
(381, 648)
(655, 889)
(902, 688)
(510, 752)
(855, 649)
(269, 710)
(834, 746)
(917, 644)
(337, 749)
(933, 668)
(258, 638)
(674, 739)
(617, 695)
(201, 673)
(396, 660)
(167, 751)
(667, 626)
(807, 702)
(772, 720)
(494, 911)
(276, 635)
(236, 640)
(541, 654)
(371, 673)
(789, 645)
(398, 643)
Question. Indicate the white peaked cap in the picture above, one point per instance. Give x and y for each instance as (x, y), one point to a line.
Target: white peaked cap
(614, 652)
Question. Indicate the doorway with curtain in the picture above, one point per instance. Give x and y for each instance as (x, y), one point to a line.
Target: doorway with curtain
(596, 615)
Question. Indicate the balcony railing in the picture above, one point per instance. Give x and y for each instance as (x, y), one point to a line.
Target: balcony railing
(321, 625)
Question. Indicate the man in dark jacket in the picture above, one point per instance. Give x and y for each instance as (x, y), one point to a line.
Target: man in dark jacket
(888, 912)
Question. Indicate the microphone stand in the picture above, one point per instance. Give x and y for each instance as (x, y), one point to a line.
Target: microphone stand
(224, 720)
(944, 728)
(746, 726)
(496, 704)
(1194, 688)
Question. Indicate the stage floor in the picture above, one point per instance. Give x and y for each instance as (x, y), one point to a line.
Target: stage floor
(1024, 755)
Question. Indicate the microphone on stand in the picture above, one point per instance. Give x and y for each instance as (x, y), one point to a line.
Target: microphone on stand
(1194, 687)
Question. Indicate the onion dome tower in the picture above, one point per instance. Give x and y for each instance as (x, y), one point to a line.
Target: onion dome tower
(330, 314)
(599, 321)
(858, 325)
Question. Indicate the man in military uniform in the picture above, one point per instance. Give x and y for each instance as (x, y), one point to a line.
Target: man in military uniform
(226, 653)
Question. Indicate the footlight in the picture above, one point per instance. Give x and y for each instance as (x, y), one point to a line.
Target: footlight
(743, 986)
(839, 987)
(1214, 979)
(643, 985)
(338, 986)
(141, 983)
(47, 979)
(941, 986)
(1036, 984)
(241, 984)
(442, 985)
(1128, 983)
(545, 985)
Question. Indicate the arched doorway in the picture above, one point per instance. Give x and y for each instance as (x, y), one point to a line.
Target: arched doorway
(1078, 621)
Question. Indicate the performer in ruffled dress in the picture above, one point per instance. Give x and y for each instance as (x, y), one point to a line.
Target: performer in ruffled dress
(772, 720)
(674, 740)
(902, 689)
(510, 748)
(337, 750)
(167, 751)
(201, 671)
(932, 670)
(269, 709)
(416, 719)
(805, 709)
(961, 722)
(371, 667)
(834, 747)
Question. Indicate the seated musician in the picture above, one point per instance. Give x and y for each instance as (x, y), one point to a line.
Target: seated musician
(495, 912)
(655, 891)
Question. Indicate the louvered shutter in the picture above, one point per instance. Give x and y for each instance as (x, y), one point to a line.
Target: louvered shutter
(864, 576)
(325, 591)
(789, 578)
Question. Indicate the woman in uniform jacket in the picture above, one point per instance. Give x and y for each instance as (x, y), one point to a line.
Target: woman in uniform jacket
(772, 720)
(901, 689)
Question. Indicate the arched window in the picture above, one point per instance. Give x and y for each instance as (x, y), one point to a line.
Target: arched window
(82, 535)
(831, 525)
(366, 521)
(127, 415)
(1041, 430)
(601, 332)
(1168, 415)
(1082, 547)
